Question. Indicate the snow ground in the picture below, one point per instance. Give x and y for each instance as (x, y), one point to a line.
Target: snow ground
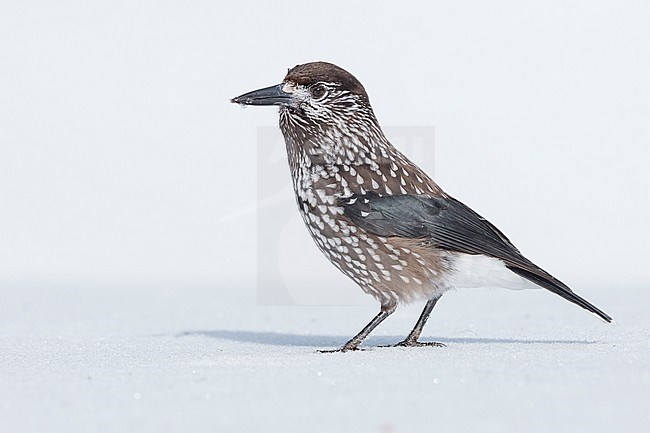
(202, 359)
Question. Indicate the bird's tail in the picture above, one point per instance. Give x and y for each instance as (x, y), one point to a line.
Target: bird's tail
(556, 286)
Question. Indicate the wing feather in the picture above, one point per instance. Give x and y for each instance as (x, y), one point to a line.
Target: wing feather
(450, 225)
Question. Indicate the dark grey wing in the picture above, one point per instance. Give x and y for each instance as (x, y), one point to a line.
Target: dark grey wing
(445, 221)
(450, 225)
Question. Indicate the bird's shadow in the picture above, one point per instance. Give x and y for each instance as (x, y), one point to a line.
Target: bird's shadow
(298, 340)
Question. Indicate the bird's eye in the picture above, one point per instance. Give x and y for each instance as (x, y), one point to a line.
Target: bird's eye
(318, 91)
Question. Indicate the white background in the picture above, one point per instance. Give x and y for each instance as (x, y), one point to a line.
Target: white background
(128, 207)
(120, 154)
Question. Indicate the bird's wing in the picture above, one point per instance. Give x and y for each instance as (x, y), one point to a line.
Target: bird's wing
(449, 225)
(445, 221)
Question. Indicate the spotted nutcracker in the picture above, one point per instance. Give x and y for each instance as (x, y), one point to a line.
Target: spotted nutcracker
(375, 214)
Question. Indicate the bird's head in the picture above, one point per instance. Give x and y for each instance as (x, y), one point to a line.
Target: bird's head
(325, 115)
(316, 93)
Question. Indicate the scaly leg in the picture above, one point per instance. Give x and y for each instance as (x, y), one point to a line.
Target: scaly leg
(353, 344)
(412, 339)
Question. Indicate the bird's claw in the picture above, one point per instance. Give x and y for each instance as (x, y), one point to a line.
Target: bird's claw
(415, 343)
(342, 350)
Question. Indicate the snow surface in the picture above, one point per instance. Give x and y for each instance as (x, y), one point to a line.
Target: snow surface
(208, 359)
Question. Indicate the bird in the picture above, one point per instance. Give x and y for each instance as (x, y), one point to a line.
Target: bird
(376, 215)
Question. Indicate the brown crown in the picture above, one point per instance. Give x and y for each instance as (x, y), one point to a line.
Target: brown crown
(312, 73)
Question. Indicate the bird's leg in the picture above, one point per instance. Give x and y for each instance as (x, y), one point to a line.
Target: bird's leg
(412, 339)
(353, 344)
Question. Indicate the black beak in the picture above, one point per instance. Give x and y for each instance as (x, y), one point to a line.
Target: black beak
(273, 95)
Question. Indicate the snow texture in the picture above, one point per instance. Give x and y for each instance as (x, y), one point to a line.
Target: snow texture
(208, 359)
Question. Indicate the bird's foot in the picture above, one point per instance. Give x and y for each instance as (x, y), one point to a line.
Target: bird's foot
(351, 345)
(342, 350)
(415, 343)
